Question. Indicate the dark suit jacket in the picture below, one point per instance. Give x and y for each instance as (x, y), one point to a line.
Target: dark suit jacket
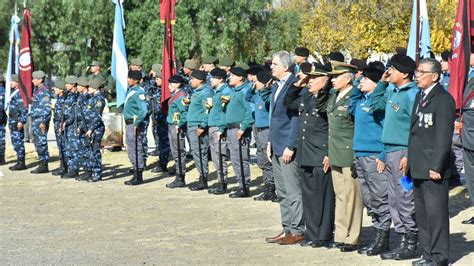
(284, 123)
(468, 118)
(429, 142)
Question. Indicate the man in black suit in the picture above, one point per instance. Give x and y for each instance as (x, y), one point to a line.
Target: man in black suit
(429, 149)
(468, 141)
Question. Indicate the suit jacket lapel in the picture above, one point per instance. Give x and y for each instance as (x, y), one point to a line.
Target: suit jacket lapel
(282, 93)
(426, 102)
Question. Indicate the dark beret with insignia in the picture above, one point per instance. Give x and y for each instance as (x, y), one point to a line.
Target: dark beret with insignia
(377, 64)
(199, 74)
(210, 60)
(264, 76)
(373, 74)
(401, 50)
(238, 71)
(135, 75)
(254, 70)
(403, 63)
(336, 56)
(359, 63)
(446, 55)
(302, 51)
(218, 73)
(176, 79)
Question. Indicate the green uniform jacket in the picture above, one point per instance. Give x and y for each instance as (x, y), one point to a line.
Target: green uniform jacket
(216, 113)
(238, 110)
(135, 105)
(341, 131)
(197, 111)
(175, 105)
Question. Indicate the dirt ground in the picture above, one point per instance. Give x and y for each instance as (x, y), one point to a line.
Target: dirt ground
(48, 220)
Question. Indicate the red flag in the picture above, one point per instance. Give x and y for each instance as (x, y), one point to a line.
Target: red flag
(26, 61)
(169, 59)
(461, 47)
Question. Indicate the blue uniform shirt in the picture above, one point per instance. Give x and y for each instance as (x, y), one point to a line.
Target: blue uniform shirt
(41, 104)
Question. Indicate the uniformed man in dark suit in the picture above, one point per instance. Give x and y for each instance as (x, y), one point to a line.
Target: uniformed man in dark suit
(429, 150)
(316, 183)
(468, 141)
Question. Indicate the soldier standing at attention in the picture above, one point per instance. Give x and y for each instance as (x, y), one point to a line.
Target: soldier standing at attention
(17, 116)
(58, 120)
(134, 112)
(40, 113)
(3, 121)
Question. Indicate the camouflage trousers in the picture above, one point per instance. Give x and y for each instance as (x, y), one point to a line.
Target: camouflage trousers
(17, 137)
(40, 139)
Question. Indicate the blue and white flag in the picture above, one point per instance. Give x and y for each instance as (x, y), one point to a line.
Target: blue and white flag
(12, 65)
(119, 55)
(424, 45)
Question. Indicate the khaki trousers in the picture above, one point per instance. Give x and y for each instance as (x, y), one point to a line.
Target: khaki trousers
(349, 206)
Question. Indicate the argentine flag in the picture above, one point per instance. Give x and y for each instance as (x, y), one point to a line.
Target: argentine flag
(12, 66)
(119, 55)
(424, 45)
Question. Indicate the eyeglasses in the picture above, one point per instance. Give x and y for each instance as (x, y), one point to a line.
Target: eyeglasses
(422, 72)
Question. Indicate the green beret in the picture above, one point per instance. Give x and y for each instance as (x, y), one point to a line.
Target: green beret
(39, 75)
(95, 83)
(136, 61)
(190, 64)
(15, 77)
(159, 74)
(156, 67)
(226, 61)
(60, 84)
(210, 60)
(83, 81)
(71, 79)
(95, 63)
(244, 66)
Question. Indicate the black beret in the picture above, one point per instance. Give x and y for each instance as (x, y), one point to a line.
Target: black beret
(401, 50)
(218, 73)
(199, 74)
(306, 67)
(254, 70)
(176, 79)
(373, 74)
(336, 56)
(377, 64)
(359, 63)
(403, 63)
(445, 55)
(302, 51)
(135, 75)
(238, 71)
(264, 76)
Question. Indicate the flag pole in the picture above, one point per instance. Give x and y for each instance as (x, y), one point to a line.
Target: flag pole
(417, 46)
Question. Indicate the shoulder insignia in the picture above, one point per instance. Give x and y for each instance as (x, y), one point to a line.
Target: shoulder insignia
(46, 98)
(89, 106)
(141, 97)
(98, 104)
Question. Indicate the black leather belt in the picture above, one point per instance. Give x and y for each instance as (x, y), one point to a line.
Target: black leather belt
(232, 126)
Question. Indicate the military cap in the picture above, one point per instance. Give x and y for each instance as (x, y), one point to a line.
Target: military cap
(135, 75)
(39, 74)
(136, 61)
(156, 67)
(176, 79)
(244, 66)
(210, 60)
(403, 63)
(95, 83)
(446, 55)
(336, 56)
(401, 50)
(218, 73)
(254, 70)
(226, 61)
(83, 81)
(372, 73)
(71, 79)
(317, 70)
(302, 51)
(264, 76)
(341, 68)
(95, 63)
(15, 77)
(159, 74)
(198, 74)
(190, 64)
(306, 67)
(60, 84)
(359, 63)
(238, 71)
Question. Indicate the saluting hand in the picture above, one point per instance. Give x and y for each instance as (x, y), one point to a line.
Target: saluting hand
(435, 175)
(386, 75)
(326, 165)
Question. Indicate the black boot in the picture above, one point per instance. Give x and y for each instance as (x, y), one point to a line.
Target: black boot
(137, 179)
(178, 182)
(60, 171)
(390, 255)
(172, 171)
(201, 185)
(71, 174)
(410, 251)
(220, 189)
(268, 194)
(363, 250)
(84, 176)
(380, 244)
(2, 159)
(42, 168)
(20, 165)
(241, 193)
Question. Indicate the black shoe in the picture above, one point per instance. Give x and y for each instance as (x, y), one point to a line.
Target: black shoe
(468, 221)
(410, 250)
(380, 244)
(84, 176)
(2, 159)
(59, 171)
(20, 165)
(220, 189)
(70, 174)
(240, 193)
(349, 248)
(322, 243)
(137, 179)
(94, 179)
(154, 153)
(335, 245)
(276, 199)
(390, 255)
(422, 262)
(42, 168)
(268, 194)
(178, 182)
(172, 172)
(198, 186)
(307, 243)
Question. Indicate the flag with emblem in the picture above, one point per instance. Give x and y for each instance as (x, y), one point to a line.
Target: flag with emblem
(461, 46)
(12, 64)
(25, 61)
(419, 44)
(119, 68)
(167, 16)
